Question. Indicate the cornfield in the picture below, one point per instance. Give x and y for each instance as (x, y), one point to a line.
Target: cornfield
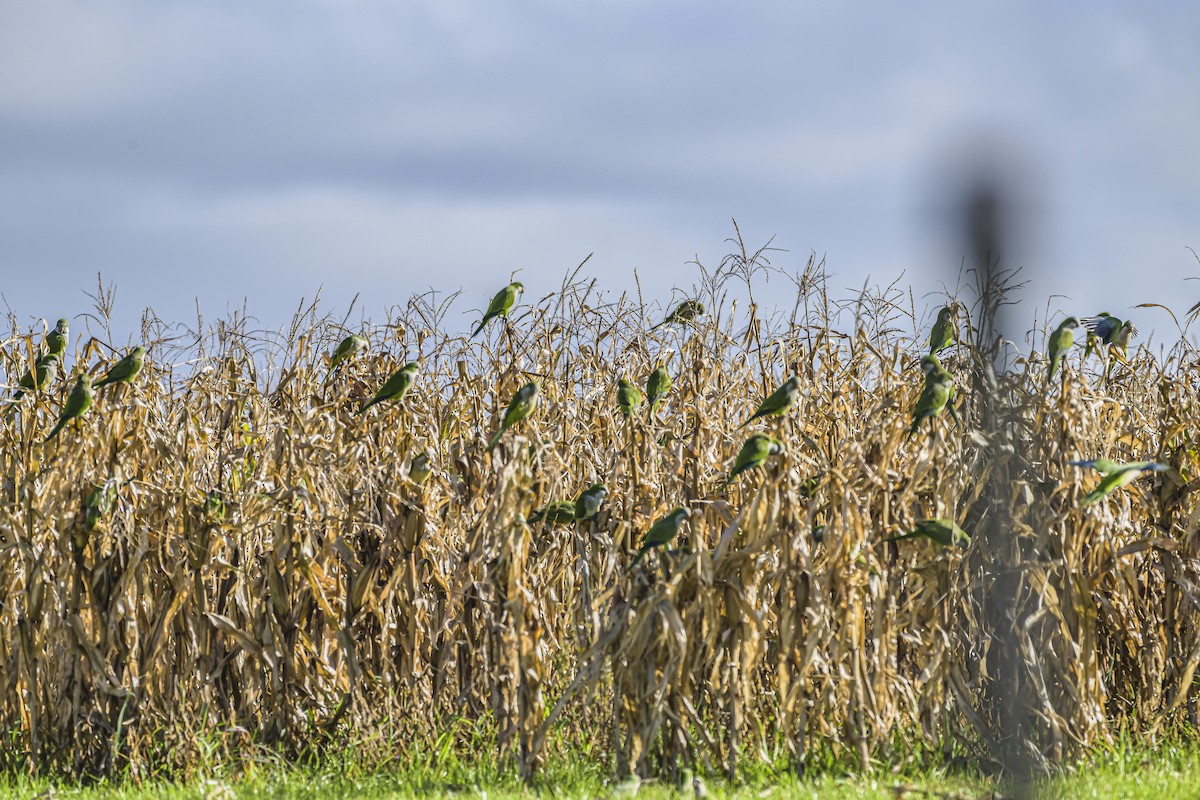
(268, 574)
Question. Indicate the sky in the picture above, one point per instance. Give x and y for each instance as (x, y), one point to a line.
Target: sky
(220, 153)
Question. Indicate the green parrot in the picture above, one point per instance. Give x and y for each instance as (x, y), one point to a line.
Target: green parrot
(657, 386)
(78, 402)
(395, 387)
(214, 506)
(1060, 342)
(1104, 466)
(346, 350)
(518, 409)
(43, 373)
(1121, 475)
(588, 504)
(780, 401)
(944, 330)
(1106, 329)
(687, 311)
(943, 531)
(421, 467)
(98, 504)
(754, 453)
(501, 304)
(560, 513)
(629, 397)
(936, 396)
(125, 370)
(661, 532)
(56, 340)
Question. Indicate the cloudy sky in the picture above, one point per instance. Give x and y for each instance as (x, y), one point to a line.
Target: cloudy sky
(225, 150)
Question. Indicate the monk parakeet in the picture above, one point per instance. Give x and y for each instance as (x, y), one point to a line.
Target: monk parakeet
(124, 370)
(1060, 342)
(1108, 330)
(1104, 466)
(943, 531)
(501, 304)
(657, 386)
(687, 311)
(214, 506)
(1121, 475)
(395, 387)
(560, 513)
(629, 397)
(421, 467)
(944, 330)
(348, 348)
(41, 375)
(936, 396)
(98, 504)
(780, 401)
(518, 409)
(661, 532)
(78, 402)
(587, 505)
(56, 340)
(754, 453)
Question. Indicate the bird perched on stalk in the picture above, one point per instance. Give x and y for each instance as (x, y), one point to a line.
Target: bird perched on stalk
(522, 403)
(560, 513)
(56, 340)
(685, 312)
(937, 395)
(125, 370)
(629, 397)
(78, 402)
(657, 385)
(1060, 342)
(421, 467)
(661, 532)
(779, 403)
(945, 329)
(939, 529)
(395, 387)
(754, 453)
(501, 304)
(346, 350)
(1108, 330)
(588, 504)
(98, 503)
(1121, 475)
(39, 376)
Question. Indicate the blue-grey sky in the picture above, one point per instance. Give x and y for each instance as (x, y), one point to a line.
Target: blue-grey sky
(224, 150)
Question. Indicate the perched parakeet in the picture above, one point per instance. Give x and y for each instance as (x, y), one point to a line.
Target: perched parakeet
(687, 311)
(754, 453)
(56, 340)
(943, 531)
(1121, 475)
(1060, 342)
(124, 370)
(657, 386)
(780, 401)
(214, 507)
(1104, 466)
(945, 329)
(629, 397)
(98, 503)
(501, 304)
(346, 350)
(560, 513)
(661, 532)
(421, 467)
(43, 373)
(936, 396)
(395, 387)
(78, 402)
(588, 504)
(518, 409)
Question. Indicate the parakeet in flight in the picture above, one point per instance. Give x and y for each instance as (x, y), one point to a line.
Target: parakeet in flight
(780, 401)
(661, 532)
(56, 340)
(1060, 342)
(687, 311)
(1104, 466)
(588, 504)
(945, 329)
(522, 403)
(501, 304)
(395, 387)
(657, 386)
(560, 513)
(629, 397)
(1121, 475)
(754, 453)
(1109, 330)
(124, 370)
(941, 530)
(936, 396)
(78, 402)
(346, 350)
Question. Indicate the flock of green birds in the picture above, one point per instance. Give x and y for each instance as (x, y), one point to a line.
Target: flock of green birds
(938, 395)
